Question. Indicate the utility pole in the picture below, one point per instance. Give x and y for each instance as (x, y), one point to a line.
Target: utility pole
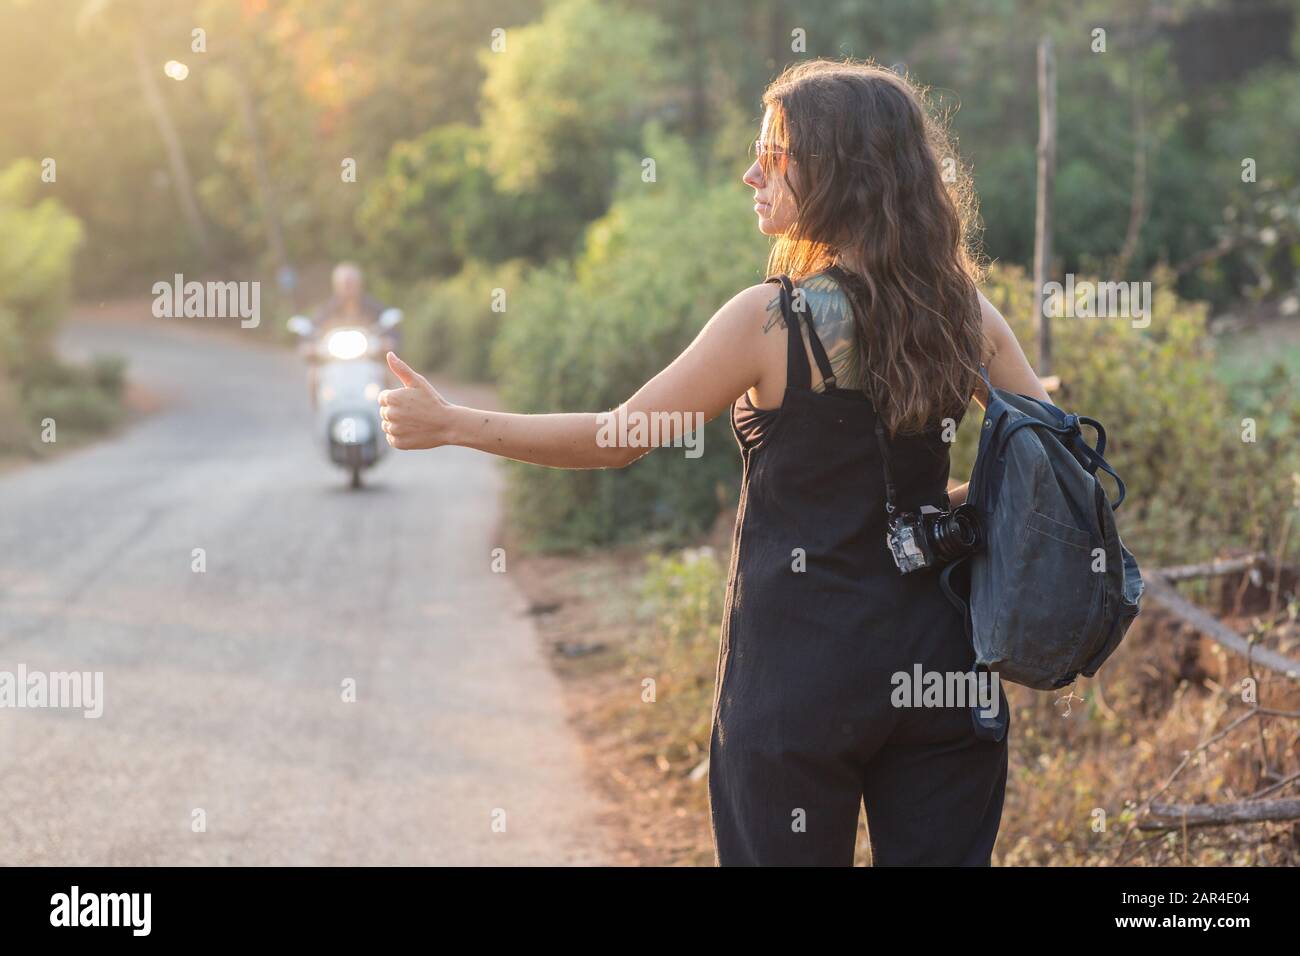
(1043, 211)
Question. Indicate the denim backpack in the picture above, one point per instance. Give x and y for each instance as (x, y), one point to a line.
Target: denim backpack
(1051, 590)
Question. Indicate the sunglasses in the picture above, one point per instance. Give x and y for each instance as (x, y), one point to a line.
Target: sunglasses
(766, 151)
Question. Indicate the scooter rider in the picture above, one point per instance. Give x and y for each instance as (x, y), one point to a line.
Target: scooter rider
(349, 306)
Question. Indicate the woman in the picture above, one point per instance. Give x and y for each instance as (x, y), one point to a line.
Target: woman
(870, 214)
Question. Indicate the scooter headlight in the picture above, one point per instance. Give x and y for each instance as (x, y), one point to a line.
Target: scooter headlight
(347, 344)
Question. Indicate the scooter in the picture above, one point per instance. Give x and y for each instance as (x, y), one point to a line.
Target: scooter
(350, 372)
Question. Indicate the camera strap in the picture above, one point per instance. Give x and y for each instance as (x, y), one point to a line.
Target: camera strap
(883, 445)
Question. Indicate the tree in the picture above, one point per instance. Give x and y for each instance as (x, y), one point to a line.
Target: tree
(129, 29)
(569, 91)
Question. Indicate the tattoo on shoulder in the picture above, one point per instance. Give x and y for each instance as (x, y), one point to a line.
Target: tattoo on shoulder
(832, 317)
(775, 319)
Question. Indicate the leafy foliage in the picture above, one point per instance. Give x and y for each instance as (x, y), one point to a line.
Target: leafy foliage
(569, 91)
(452, 323)
(38, 240)
(1178, 436)
(437, 206)
(585, 335)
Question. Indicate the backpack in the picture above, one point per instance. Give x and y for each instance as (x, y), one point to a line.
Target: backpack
(1051, 590)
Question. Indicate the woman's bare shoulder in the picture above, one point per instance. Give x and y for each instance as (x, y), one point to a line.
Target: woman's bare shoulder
(759, 305)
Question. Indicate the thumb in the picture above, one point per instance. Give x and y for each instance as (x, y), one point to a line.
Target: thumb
(407, 375)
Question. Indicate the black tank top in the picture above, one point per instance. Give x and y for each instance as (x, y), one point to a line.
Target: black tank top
(813, 493)
(751, 425)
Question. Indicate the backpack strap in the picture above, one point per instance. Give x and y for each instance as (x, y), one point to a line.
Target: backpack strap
(1074, 438)
(1100, 447)
(986, 728)
(1095, 459)
(955, 599)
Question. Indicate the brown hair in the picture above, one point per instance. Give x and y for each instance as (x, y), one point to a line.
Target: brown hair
(878, 177)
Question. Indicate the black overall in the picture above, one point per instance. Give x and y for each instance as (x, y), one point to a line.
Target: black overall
(817, 620)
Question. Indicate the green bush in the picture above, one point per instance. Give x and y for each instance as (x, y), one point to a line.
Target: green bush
(573, 89)
(15, 431)
(451, 323)
(82, 400)
(556, 110)
(417, 218)
(1175, 430)
(108, 374)
(1259, 220)
(584, 336)
(682, 594)
(38, 239)
(78, 409)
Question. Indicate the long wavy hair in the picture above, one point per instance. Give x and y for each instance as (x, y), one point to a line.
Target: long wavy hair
(877, 176)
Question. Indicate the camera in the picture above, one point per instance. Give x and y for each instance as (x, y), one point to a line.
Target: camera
(932, 537)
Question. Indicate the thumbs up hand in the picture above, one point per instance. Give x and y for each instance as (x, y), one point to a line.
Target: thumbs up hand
(414, 416)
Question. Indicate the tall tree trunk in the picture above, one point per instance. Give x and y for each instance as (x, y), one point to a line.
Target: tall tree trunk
(778, 37)
(1043, 213)
(697, 72)
(267, 197)
(181, 178)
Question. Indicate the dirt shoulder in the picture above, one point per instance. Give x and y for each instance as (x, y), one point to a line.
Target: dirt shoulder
(585, 612)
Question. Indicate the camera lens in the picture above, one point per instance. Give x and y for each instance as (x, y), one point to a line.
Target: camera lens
(954, 533)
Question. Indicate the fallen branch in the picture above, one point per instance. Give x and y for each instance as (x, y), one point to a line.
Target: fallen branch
(1166, 595)
(1176, 816)
(1186, 572)
(1217, 251)
(1120, 857)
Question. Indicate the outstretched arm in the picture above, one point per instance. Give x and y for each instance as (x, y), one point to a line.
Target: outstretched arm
(722, 362)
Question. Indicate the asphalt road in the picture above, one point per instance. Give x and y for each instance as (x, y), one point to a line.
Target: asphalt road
(225, 737)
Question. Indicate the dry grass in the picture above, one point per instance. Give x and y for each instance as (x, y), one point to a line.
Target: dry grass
(1081, 763)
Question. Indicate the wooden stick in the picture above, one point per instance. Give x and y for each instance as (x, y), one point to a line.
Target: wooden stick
(1219, 814)
(1185, 572)
(1164, 594)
